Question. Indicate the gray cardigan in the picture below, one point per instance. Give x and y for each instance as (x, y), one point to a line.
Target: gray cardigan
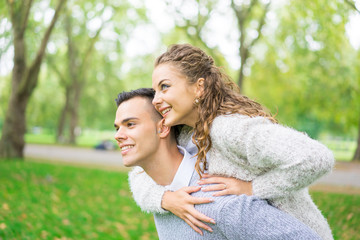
(280, 162)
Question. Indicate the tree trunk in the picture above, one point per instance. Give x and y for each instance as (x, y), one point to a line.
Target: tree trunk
(24, 79)
(243, 57)
(357, 152)
(74, 118)
(60, 138)
(12, 140)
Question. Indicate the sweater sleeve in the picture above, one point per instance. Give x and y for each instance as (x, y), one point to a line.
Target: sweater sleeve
(289, 160)
(146, 193)
(246, 217)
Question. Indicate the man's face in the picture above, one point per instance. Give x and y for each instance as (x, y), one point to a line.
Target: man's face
(136, 131)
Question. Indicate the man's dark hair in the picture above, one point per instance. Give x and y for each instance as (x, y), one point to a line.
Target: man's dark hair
(148, 93)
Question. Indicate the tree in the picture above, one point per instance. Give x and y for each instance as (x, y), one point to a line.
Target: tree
(249, 16)
(308, 69)
(356, 156)
(78, 55)
(193, 27)
(24, 77)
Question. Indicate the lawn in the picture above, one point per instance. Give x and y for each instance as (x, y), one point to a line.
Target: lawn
(44, 201)
(48, 201)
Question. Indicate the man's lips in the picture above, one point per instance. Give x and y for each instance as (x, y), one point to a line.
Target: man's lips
(125, 148)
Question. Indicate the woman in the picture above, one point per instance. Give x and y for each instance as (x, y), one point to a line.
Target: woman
(235, 137)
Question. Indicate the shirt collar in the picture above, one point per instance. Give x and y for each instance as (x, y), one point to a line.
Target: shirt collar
(185, 171)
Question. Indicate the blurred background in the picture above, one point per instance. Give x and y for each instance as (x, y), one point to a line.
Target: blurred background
(62, 64)
(299, 59)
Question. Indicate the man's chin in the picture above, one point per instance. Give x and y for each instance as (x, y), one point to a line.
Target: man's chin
(128, 164)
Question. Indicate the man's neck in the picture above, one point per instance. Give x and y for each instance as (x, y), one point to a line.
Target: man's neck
(162, 167)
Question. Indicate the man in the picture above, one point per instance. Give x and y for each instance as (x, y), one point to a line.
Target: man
(147, 143)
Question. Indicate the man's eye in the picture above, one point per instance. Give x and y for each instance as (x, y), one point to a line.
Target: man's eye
(130, 124)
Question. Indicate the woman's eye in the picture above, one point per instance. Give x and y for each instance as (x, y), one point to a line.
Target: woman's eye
(164, 86)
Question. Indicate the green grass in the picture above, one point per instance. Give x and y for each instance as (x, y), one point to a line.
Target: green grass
(44, 201)
(52, 201)
(342, 212)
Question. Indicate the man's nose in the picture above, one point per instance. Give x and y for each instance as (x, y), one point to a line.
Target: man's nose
(120, 135)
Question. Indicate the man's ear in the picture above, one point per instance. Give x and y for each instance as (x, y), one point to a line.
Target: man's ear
(200, 87)
(162, 129)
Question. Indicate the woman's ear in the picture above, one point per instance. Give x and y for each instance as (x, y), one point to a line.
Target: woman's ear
(200, 87)
(163, 130)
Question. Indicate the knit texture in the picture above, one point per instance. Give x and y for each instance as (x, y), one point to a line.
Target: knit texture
(236, 217)
(280, 162)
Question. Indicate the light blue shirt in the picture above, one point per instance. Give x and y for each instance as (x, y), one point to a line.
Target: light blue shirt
(185, 171)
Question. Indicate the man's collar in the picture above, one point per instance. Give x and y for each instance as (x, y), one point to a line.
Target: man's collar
(185, 171)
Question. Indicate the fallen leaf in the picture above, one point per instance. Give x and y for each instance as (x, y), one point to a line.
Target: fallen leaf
(2, 226)
(5, 206)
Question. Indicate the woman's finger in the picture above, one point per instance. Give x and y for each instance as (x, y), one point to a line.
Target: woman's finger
(199, 216)
(199, 224)
(196, 229)
(221, 193)
(199, 200)
(190, 189)
(206, 175)
(215, 187)
(212, 180)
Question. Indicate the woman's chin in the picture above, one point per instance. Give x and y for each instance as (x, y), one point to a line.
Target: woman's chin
(169, 122)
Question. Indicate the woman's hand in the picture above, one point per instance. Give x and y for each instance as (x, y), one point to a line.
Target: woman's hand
(225, 185)
(181, 203)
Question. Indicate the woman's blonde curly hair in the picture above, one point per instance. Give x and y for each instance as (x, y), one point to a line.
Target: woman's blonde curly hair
(221, 95)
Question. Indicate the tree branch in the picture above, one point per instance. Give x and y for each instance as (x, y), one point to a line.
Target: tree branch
(29, 82)
(57, 71)
(352, 4)
(27, 7)
(261, 24)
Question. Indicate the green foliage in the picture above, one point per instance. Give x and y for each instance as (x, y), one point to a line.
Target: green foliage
(308, 69)
(52, 201)
(302, 68)
(342, 212)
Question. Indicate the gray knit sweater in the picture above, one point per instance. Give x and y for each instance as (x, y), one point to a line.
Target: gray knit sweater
(236, 217)
(280, 162)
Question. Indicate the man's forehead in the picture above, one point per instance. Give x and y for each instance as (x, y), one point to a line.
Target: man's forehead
(134, 108)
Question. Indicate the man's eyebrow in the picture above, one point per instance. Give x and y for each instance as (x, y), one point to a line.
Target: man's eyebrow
(126, 120)
(129, 119)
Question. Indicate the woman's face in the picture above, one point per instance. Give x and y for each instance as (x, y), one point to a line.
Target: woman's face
(174, 97)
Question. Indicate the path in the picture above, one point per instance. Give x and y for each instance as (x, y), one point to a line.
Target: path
(344, 177)
(74, 155)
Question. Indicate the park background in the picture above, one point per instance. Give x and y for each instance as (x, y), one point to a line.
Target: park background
(62, 64)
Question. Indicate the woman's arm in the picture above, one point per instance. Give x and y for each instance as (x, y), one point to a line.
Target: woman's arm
(146, 193)
(289, 160)
(154, 198)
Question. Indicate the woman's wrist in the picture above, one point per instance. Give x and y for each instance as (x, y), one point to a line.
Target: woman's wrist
(164, 200)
